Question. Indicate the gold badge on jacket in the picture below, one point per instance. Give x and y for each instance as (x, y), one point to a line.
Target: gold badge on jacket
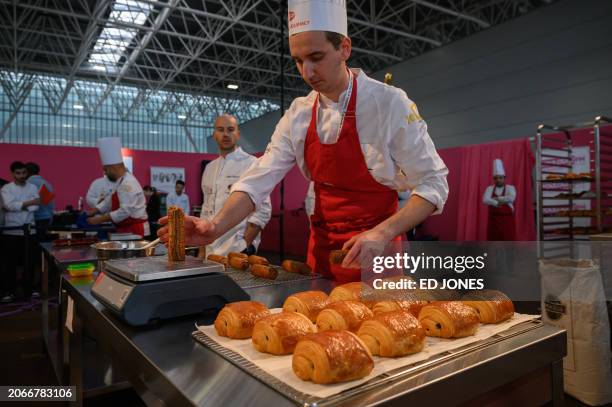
(414, 116)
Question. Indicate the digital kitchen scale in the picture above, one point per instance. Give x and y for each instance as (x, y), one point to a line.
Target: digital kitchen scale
(146, 290)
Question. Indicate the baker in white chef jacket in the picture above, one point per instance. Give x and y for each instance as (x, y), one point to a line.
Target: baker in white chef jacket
(360, 141)
(98, 190)
(126, 207)
(179, 198)
(217, 181)
(500, 199)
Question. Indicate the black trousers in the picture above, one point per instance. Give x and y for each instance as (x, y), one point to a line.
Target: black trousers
(19, 251)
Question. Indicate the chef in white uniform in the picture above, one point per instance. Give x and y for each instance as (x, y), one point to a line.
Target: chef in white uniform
(500, 198)
(179, 198)
(359, 140)
(98, 190)
(126, 207)
(217, 181)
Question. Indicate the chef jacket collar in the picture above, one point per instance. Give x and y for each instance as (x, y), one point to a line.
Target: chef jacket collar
(237, 154)
(327, 102)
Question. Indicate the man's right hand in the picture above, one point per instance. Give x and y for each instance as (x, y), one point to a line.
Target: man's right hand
(198, 232)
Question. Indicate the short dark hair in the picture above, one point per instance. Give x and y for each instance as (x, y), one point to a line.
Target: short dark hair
(180, 182)
(17, 165)
(33, 168)
(334, 38)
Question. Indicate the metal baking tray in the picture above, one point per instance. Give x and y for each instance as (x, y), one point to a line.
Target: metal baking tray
(375, 383)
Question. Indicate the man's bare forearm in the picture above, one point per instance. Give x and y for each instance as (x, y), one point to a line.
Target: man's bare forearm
(416, 211)
(237, 207)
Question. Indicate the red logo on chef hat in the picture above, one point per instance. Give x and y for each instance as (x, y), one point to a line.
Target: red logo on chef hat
(291, 15)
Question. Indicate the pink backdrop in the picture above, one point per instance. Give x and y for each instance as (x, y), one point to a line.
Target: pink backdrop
(72, 169)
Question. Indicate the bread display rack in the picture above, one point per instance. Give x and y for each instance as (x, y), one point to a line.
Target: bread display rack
(561, 189)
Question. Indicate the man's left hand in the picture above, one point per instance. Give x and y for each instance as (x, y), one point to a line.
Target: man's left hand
(370, 243)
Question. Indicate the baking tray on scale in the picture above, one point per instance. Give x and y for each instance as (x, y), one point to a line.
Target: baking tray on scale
(373, 384)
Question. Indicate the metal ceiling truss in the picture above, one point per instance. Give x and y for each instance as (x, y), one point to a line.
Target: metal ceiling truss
(198, 47)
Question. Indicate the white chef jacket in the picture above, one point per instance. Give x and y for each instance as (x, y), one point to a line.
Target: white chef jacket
(509, 198)
(132, 201)
(13, 197)
(217, 180)
(99, 189)
(396, 146)
(182, 201)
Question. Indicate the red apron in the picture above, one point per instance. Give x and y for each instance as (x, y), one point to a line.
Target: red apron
(129, 225)
(348, 200)
(501, 221)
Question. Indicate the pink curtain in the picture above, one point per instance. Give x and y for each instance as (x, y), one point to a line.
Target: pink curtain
(476, 175)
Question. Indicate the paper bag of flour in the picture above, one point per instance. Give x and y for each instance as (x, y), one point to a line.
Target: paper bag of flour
(573, 299)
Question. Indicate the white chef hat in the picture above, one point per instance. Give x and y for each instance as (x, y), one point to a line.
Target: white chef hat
(498, 168)
(317, 15)
(110, 150)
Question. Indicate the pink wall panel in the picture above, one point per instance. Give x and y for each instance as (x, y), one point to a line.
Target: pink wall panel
(71, 169)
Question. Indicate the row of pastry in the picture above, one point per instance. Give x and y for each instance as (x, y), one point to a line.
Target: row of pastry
(333, 339)
(258, 266)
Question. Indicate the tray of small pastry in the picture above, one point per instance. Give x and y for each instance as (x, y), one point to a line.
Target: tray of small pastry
(321, 348)
(256, 271)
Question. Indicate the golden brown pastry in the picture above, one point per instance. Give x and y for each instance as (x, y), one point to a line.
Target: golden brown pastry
(236, 320)
(331, 357)
(448, 319)
(392, 334)
(492, 306)
(219, 259)
(293, 266)
(337, 256)
(176, 234)
(258, 260)
(239, 263)
(412, 306)
(343, 315)
(279, 333)
(308, 303)
(348, 291)
(264, 271)
(231, 255)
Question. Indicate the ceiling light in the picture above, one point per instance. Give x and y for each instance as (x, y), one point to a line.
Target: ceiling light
(182, 116)
(154, 132)
(78, 107)
(66, 125)
(232, 86)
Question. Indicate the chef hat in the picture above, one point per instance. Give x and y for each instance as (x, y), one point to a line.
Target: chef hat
(110, 150)
(498, 168)
(317, 15)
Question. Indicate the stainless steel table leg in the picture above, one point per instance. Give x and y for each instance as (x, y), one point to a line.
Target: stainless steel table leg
(75, 357)
(556, 373)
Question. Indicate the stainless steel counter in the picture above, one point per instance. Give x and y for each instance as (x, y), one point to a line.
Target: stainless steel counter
(167, 367)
